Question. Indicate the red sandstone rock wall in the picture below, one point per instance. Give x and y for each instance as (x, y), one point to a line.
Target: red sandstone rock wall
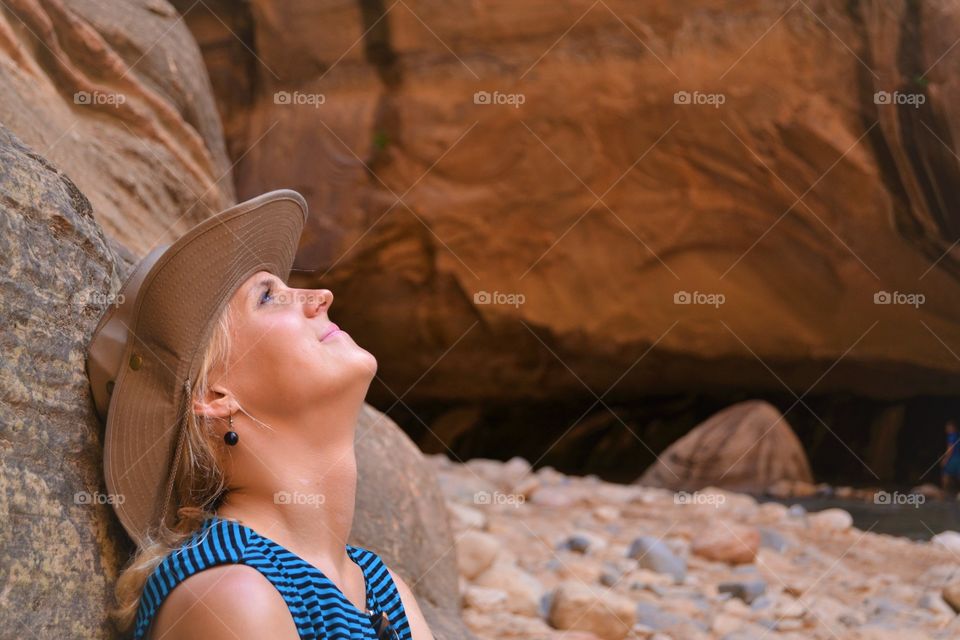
(598, 194)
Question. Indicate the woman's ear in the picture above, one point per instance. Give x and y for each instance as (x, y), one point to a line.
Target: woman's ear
(218, 403)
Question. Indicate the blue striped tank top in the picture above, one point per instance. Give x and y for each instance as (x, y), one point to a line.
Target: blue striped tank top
(319, 608)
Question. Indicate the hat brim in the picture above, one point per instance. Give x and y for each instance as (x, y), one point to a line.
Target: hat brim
(181, 298)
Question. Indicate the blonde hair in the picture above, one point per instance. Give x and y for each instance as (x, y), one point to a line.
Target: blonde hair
(199, 486)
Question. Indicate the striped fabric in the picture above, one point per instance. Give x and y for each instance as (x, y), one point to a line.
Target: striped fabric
(319, 609)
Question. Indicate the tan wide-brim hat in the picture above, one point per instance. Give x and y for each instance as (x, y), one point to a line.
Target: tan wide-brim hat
(146, 351)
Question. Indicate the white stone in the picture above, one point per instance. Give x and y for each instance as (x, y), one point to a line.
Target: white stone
(523, 590)
(606, 513)
(603, 612)
(476, 552)
(464, 517)
(949, 540)
(484, 598)
(830, 520)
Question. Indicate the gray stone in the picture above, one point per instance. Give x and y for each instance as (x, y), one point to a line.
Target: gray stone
(796, 511)
(745, 569)
(773, 539)
(577, 542)
(656, 618)
(653, 554)
(546, 603)
(611, 574)
(746, 590)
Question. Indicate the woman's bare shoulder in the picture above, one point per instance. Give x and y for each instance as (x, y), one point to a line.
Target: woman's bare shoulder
(418, 624)
(228, 602)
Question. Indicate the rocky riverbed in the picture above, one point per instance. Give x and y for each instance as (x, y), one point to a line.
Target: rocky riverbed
(546, 555)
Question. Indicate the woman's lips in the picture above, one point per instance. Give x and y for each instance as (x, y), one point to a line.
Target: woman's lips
(334, 329)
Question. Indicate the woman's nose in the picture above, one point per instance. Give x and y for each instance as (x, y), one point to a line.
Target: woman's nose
(318, 300)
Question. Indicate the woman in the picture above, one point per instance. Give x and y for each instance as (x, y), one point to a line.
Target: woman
(230, 402)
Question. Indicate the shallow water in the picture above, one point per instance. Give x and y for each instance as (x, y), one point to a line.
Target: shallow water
(919, 522)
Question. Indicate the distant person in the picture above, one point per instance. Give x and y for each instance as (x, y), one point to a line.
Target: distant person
(950, 461)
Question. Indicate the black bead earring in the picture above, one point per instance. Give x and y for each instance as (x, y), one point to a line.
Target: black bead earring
(231, 437)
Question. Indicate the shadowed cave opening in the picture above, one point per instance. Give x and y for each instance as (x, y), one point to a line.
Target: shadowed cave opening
(839, 433)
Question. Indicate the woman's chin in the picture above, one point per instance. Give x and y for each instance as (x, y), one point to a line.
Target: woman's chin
(369, 362)
(361, 364)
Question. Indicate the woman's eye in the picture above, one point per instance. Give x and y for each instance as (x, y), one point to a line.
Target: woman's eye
(266, 295)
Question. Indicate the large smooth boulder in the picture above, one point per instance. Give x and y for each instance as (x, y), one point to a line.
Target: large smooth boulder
(401, 514)
(61, 544)
(746, 447)
(117, 94)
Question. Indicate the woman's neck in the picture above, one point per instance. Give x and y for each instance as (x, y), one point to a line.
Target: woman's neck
(301, 499)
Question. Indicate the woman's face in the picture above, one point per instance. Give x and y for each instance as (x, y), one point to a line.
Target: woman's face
(284, 361)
